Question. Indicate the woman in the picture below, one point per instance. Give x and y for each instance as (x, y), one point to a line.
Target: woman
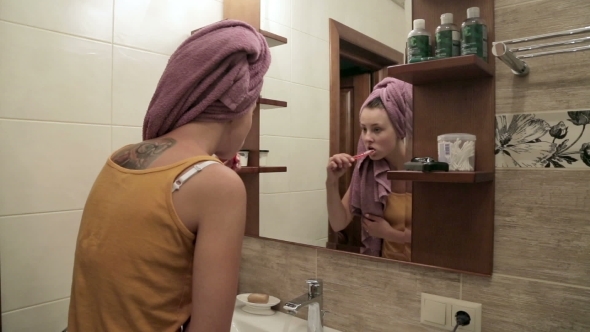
(385, 121)
(161, 232)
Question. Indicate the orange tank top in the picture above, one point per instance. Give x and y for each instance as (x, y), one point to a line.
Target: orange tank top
(134, 256)
(398, 213)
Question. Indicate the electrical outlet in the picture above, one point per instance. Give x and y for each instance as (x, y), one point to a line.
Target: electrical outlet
(439, 311)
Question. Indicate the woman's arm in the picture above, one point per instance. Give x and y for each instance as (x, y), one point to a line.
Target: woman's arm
(339, 214)
(221, 222)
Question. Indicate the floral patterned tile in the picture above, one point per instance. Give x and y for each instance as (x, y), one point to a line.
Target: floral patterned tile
(557, 139)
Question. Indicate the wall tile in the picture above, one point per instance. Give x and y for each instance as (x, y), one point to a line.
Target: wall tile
(276, 121)
(511, 304)
(52, 166)
(275, 222)
(37, 257)
(278, 155)
(309, 60)
(310, 112)
(309, 158)
(308, 216)
(310, 17)
(278, 11)
(556, 81)
(278, 269)
(280, 65)
(86, 18)
(364, 293)
(542, 228)
(122, 136)
(46, 317)
(543, 140)
(161, 26)
(135, 77)
(54, 77)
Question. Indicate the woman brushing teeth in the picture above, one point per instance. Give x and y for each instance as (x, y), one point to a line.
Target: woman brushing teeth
(385, 120)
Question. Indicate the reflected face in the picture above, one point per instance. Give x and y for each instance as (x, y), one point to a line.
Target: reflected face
(377, 132)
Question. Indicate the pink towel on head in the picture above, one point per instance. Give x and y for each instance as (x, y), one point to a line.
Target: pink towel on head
(370, 186)
(214, 75)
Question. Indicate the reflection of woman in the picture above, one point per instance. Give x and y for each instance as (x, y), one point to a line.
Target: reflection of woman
(160, 239)
(385, 208)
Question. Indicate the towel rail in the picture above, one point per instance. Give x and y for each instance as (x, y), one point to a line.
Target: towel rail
(521, 68)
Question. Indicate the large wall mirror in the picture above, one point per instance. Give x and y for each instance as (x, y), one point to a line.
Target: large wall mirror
(357, 62)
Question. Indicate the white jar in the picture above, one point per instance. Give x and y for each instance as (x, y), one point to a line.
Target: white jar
(457, 150)
(263, 157)
(244, 157)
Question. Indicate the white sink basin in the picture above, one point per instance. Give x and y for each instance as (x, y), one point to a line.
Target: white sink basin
(245, 322)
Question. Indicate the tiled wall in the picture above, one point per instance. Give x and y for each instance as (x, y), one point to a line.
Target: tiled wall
(541, 278)
(75, 81)
(292, 204)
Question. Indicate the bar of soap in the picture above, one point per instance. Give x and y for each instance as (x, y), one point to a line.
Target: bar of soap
(258, 298)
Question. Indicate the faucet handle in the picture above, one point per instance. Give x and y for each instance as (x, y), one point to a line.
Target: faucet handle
(315, 287)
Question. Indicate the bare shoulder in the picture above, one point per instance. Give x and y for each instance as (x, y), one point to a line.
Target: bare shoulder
(214, 189)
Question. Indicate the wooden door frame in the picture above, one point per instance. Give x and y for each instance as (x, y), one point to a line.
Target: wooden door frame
(359, 48)
(363, 50)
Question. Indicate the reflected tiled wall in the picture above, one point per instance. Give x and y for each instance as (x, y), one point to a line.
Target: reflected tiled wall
(75, 82)
(292, 204)
(541, 280)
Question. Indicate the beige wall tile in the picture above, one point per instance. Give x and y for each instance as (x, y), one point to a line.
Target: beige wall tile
(542, 228)
(51, 316)
(511, 304)
(275, 268)
(555, 82)
(372, 295)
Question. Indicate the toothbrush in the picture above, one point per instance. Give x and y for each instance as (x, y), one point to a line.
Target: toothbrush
(362, 155)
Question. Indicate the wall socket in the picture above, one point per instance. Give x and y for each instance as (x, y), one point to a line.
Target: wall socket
(439, 311)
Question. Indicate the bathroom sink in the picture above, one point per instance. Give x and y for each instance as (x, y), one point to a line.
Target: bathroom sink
(245, 322)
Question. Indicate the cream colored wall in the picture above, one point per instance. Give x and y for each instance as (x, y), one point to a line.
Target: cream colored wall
(75, 81)
(541, 278)
(292, 204)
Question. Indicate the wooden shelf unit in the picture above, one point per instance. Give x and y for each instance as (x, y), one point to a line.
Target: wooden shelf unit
(261, 169)
(456, 68)
(266, 103)
(452, 212)
(273, 39)
(449, 177)
(249, 11)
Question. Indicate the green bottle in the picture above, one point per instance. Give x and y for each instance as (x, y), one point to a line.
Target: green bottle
(474, 35)
(447, 37)
(418, 42)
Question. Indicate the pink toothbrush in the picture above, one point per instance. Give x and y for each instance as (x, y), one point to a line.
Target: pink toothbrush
(362, 155)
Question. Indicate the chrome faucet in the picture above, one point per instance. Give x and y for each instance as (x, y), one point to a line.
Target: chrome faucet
(315, 294)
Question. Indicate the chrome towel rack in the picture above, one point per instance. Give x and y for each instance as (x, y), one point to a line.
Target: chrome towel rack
(521, 68)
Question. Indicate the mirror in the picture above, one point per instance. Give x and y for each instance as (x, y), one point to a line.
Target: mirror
(357, 62)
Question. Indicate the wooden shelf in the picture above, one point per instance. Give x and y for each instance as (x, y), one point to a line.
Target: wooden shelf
(273, 39)
(266, 103)
(261, 169)
(452, 177)
(442, 70)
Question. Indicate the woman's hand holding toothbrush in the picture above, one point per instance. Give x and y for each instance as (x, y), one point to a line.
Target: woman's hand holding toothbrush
(341, 162)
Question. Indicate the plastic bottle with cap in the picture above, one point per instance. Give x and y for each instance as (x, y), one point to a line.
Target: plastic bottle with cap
(418, 42)
(474, 35)
(447, 37)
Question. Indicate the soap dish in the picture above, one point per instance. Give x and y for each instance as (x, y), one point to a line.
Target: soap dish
(258, 308)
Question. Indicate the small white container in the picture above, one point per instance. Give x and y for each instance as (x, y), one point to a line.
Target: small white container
(263, 157)
(244, 157)
(457, 150)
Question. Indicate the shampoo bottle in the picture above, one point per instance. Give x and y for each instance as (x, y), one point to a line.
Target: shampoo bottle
(447, 37)
(418, 42)
(474, 35)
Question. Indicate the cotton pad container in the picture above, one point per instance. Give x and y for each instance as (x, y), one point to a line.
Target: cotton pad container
(457, 150)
